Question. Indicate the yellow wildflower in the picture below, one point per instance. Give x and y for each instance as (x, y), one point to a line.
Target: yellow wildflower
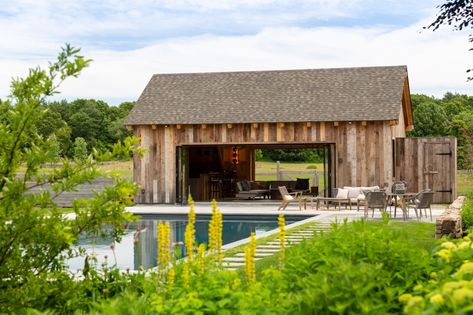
(215, 233)
(445, 254)
(164, 250)
(201, 257)
(448, 245)
(171, 276)
(437, 299)
(405, 298)
(250, 259)
(464, 245)
(467, 267)
(189, 235)
(449, 287)
(463, 295)
(185, 276)
(414, 305)
(282, 239)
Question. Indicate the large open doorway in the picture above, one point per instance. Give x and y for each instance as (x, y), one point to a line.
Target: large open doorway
(212, 171)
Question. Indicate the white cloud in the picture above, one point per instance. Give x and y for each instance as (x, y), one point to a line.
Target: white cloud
(33, 31)
(436, 60)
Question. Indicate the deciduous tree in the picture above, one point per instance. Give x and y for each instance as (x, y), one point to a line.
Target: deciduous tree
(35, 238)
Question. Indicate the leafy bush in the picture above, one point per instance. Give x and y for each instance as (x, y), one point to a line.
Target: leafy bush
(467, 213)
(363, 267)
(449, 287)
(35, 238)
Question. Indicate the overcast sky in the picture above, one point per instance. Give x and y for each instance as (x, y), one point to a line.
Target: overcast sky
(131, 40)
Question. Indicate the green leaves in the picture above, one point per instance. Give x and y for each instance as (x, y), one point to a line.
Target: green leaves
(35, 238)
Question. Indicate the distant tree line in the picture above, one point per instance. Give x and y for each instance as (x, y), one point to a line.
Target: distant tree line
(83, 124)
(451, 115)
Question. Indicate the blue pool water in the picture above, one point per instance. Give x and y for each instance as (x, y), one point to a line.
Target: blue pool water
(138, 247)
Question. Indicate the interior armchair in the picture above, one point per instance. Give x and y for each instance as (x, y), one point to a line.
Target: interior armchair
(302, 185)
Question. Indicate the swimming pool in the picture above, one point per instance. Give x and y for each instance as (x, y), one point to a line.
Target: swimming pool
(138, 247)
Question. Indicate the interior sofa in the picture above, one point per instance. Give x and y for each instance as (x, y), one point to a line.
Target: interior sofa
(252, 190)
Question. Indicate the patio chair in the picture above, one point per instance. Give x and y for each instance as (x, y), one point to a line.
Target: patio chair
(422, 200)
(288, 197)
(398, 187)
(375, 200)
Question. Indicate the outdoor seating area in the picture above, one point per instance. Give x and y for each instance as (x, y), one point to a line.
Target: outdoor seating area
(370, 198)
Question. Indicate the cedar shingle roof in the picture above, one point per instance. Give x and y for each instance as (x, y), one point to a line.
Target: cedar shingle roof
(343, 94)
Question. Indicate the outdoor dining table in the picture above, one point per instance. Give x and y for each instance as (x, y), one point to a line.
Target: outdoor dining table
(403, 198)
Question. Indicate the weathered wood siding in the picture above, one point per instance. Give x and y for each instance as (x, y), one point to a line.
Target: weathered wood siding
(428, 163)
(363, 150)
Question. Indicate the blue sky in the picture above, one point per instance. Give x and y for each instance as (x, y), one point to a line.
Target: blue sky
(131, 40)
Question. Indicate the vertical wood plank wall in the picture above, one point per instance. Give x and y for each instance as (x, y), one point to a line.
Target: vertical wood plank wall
(363, 150)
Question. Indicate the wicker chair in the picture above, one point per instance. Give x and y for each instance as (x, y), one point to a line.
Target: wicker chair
(375, 200)
(288, 197)
(399, 187)
(422, 200)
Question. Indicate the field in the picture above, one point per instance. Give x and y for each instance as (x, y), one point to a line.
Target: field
(290, 171)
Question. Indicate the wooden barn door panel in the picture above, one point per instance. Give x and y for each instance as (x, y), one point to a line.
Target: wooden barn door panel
(437, 169)
(427, 163)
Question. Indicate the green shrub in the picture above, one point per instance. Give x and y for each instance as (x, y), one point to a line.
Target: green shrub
(467, 213)
(294, 155)
(449, 287)
(363, 267)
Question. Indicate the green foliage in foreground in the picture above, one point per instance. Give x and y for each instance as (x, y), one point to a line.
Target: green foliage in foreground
(359, 268)
(35, 238)
(467, 213)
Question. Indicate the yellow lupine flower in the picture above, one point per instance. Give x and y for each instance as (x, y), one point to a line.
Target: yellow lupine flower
(171, 276)
(215, 233)
(201, 257)
(185, 276)
(282, 239)
(164, 250)
(189, 235)
(250, 259)
(189, 242)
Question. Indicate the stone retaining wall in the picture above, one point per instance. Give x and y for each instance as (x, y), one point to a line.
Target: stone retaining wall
(450, 222)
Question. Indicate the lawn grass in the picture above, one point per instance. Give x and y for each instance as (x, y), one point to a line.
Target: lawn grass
(464, 183)
(124, 168)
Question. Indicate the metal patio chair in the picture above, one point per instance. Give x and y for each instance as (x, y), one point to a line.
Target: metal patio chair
(422, 200)
(375, 200)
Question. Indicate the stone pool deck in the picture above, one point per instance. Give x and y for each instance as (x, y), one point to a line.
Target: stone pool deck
(269, 207)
